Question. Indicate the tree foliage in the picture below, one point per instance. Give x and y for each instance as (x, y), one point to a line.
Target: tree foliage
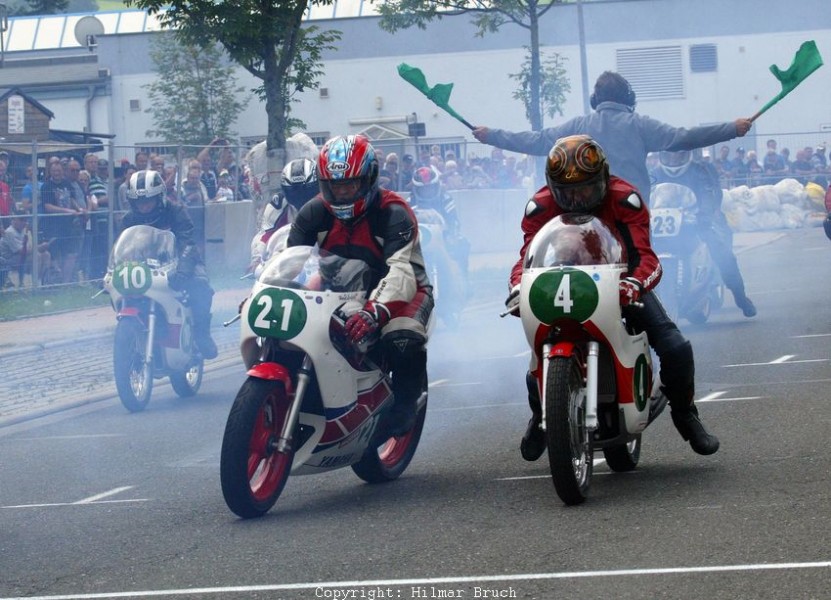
(488, 17)
(265, 37)
(194, 96)
(555, 84)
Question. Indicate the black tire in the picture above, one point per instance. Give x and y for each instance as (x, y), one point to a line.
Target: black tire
(186, 383)
(389, 460)
(570, 452)
(623, 457)
(252, 472)
(133, 379)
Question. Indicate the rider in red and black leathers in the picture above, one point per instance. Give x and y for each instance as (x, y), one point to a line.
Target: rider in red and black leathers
(354, 218)
(578, 181)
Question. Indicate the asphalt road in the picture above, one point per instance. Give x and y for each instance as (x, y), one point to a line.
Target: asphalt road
(99, 503)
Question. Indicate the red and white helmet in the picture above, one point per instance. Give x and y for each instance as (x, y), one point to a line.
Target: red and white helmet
(426, 183)
(344, 160)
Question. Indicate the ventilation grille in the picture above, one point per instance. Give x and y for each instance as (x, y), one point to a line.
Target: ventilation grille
(324, 92)
(135, 105)
(654, 73)
(703, 58)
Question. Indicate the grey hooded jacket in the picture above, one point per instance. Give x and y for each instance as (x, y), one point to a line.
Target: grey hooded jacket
(626, 137)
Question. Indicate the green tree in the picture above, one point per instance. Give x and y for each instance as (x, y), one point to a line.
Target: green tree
(266, 38)
(535, 91)
(554, 81)
(194, 96)
(46, 7)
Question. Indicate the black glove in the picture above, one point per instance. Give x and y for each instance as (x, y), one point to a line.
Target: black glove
(177, 281)
(187, 262)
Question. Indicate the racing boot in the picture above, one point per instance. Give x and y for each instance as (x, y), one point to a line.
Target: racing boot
(686, 420)
(745, 304)
(409, 378)
(533, 442)
(202, 337)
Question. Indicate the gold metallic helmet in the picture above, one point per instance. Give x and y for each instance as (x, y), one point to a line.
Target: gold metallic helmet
(577, 173)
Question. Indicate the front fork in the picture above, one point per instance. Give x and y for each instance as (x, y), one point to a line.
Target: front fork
(151, 340)
(593, 351)
(284, 443)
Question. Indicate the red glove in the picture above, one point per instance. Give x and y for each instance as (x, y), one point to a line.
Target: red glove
(367, 321)
(630, 291)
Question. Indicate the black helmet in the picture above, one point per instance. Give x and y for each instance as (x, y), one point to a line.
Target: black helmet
(299, 181)
(577, 173)
(146, 187)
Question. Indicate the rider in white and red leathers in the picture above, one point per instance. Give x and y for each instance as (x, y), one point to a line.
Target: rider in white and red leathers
(354, 218)
(578, 180)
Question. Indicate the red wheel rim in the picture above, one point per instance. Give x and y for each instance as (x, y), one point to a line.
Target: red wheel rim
(267, 467)
(394, 449)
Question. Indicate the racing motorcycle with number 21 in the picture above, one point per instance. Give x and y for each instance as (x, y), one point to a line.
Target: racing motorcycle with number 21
(313, 400)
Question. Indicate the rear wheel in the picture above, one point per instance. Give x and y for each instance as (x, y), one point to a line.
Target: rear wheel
(569, 440)
(252, 471)
(133, 377)
(389, 460)
(186, 383)
(623, 457)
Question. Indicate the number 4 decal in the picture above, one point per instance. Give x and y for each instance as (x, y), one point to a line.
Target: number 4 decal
(562, 297)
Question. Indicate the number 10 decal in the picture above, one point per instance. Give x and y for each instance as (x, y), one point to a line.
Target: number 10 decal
(132, 278)
(568, 293)
(277, 313)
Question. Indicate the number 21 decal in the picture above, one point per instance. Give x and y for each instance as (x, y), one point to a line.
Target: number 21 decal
(277, 313)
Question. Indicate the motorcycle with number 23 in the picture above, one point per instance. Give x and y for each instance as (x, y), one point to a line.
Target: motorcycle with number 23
(594, 373)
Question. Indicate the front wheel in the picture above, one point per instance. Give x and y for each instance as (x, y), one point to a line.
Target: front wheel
(186, 383)
(570, 451)
(389, 460)
(252, 471)
(133, 376)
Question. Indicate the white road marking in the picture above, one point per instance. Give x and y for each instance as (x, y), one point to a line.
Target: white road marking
(782, 360)
(73, 437)
(717, 397)
(102, 495)
(812, 335)
(96, 499)
(437, 382)
(437, 580)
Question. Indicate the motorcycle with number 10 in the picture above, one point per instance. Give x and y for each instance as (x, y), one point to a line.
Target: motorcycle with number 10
(313, 400)
(593, 372)
(154, 335)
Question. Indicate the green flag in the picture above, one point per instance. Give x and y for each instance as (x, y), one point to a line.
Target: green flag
(439, 93)
(806, 61)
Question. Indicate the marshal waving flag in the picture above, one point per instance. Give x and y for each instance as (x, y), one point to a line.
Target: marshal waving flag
(806, 61)
(439, 93)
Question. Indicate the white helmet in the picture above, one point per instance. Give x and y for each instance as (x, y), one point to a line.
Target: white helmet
(675, 164)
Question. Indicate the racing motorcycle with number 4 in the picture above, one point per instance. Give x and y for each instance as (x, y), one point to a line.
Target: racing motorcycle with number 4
(594, 374)
(312, 401)
(154, 335)
(691, 285)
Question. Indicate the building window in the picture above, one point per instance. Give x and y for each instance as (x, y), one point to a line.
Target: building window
(654, 73)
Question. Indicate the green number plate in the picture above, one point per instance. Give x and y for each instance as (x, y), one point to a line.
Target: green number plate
(567, 293)
(277, 313)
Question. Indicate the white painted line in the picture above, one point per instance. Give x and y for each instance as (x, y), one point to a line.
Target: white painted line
(52, 504)
(477, 406)
(708, 399)
(781, 359)
(437, 382)
(323, 585)
(103, 495)
(778, 361)
(73, 437)
(811, 335)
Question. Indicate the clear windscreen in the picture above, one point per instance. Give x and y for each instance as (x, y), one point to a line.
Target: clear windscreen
(144, 243)
(571, 240)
